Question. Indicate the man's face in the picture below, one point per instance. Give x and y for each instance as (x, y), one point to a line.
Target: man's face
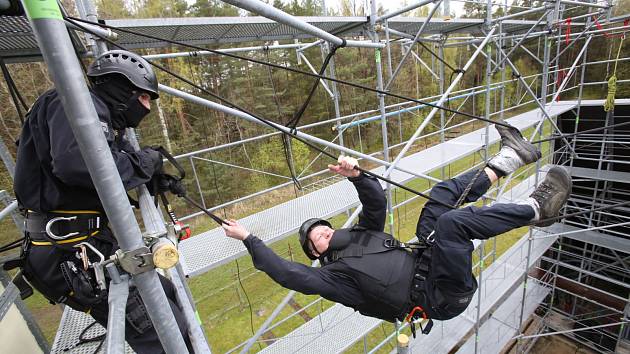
(145, 100)
(320, 237)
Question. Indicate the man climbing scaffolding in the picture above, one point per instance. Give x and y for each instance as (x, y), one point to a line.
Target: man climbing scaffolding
(368, 270)
(65, 226)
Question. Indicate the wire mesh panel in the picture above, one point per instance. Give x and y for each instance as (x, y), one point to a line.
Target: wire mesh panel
(331, 332)
(501, 327)
(70, 328)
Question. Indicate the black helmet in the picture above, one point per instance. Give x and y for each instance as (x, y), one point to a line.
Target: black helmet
(137, 70)
(306, 227)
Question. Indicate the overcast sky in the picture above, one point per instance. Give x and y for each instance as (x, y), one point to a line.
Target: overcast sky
(456, 6)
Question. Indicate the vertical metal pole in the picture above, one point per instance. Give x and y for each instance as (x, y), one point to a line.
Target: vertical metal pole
(88, 11)
(167, 140)
(6, 157)
(551, 17)
(381, 105)
(388, 48)
(54, 42)
(485, 156)
(117, 301)
(442, 113)
(194, 170)
(334, 88)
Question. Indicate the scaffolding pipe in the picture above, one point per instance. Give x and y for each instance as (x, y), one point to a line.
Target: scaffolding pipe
(406, 55)
(518, 44)
(53, 39)
(227, 50)
(228, 110)
(117, 302)
(522, 13)
(440, 101)
(272, 13)
(586, 4)
(402, 10)
(410, 37)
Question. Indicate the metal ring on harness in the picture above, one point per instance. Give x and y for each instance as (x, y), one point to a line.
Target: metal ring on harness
(54, 220)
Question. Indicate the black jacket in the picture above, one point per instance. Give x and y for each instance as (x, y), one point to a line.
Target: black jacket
(338, 281)
(50, 173)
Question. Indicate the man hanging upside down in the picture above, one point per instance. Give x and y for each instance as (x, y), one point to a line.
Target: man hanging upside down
(368, 270)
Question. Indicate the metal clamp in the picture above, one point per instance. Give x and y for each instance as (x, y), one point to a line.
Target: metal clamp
(54, 220)
(99, 273)
(135, 261)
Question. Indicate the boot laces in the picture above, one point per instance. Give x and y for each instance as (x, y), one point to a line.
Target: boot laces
(543, 192)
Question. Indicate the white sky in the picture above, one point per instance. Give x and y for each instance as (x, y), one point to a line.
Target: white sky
(456, 6)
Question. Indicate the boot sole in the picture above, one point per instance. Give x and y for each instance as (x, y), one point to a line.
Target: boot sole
(524, 149)
(563, 175)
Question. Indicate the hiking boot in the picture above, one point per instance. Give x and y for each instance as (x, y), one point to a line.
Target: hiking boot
(515, 151)
(550, 195)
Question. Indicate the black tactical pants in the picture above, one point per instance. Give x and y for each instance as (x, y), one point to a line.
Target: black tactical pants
(450, 284)
(43, 271)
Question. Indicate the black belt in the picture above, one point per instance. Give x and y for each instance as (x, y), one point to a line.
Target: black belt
(63, 226)
(418, 295)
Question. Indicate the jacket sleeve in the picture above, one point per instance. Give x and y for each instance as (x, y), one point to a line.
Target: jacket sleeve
(372, 197)
(135, 168)
(308, 280)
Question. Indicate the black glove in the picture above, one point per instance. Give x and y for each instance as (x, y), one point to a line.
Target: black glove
(155, 157)
(168, 183)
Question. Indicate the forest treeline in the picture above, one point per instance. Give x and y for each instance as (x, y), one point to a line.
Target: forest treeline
(276, 94)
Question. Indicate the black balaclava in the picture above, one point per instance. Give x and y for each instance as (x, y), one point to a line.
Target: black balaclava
(118, 94)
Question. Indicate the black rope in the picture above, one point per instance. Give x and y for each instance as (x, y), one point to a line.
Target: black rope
(273, 126)
(13, 91)
(293, 123)
(100, 338)
(464, 195)
(286, 142)
(449, 66)
(11, 245)
(554, 137)
(298, 71)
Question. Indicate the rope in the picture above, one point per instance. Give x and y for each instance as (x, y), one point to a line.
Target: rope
(609, 105)
(560, 136)
(271, 125)
(74, 21)
(286, 142)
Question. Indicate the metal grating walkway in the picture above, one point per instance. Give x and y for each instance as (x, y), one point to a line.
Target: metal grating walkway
(71, 325)
(503, 324)
(212, 248)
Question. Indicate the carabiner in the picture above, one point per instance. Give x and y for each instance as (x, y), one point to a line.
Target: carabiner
(54, 220)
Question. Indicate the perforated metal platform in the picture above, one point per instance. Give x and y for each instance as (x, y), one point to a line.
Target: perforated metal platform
(212, 248)
(17, 42)
(213, 30)
(503, 324)
(71, 325)
(333, 331)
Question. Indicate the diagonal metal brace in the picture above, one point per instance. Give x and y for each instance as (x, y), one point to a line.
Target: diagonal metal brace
(135, 261)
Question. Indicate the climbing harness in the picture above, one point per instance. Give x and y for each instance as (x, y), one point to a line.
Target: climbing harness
(422, 249)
